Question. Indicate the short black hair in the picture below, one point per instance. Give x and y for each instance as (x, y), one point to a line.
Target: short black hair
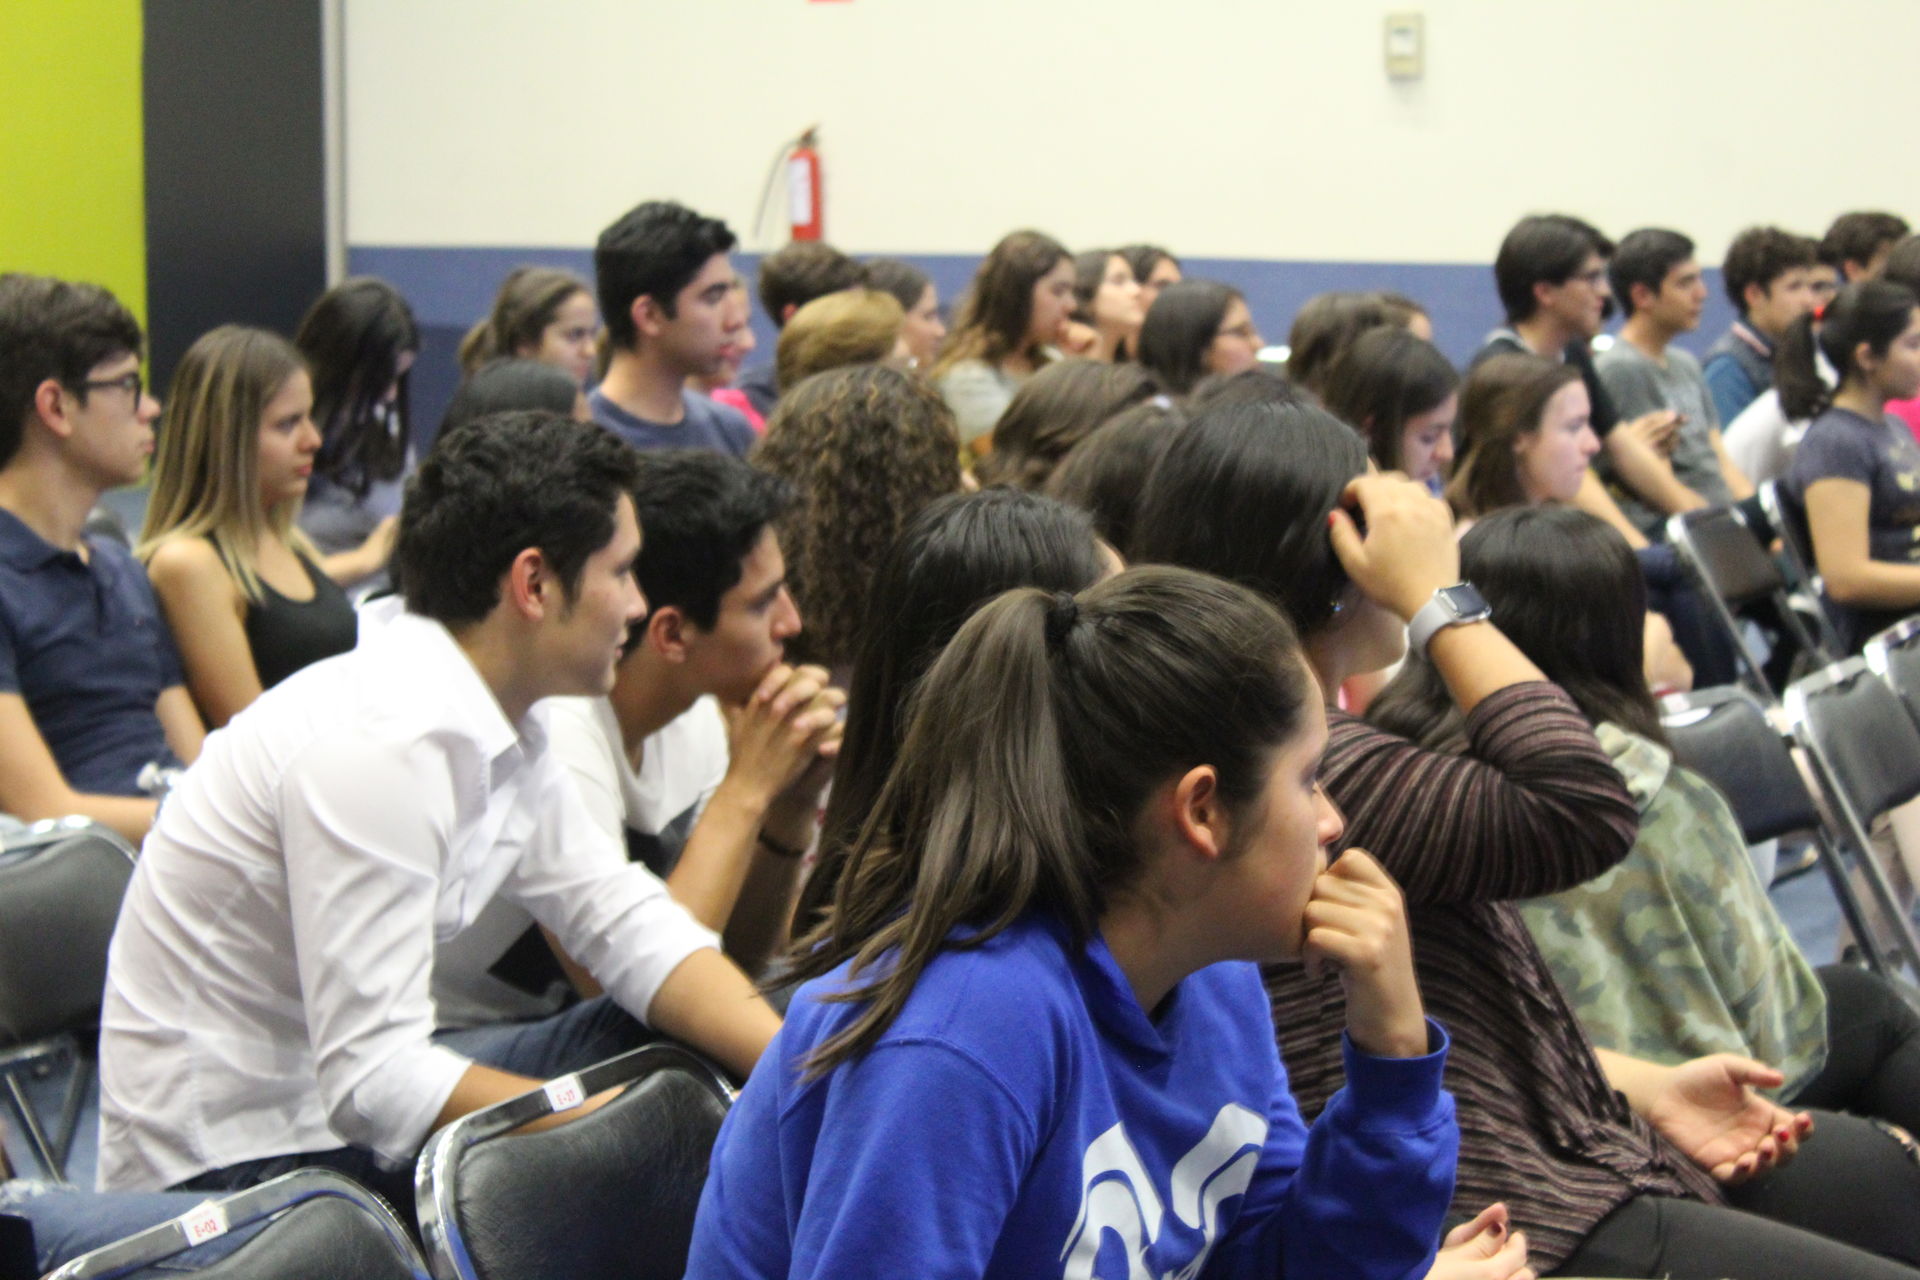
(1761, 255)
(700, 513)
(53, 329)
(803, 271)
(1645, 257)
(1544, 248)
(654, 249)
(1856, 237)
(501, 385)
(490, 489)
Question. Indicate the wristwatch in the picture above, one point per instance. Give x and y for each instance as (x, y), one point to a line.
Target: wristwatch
(1450, 607)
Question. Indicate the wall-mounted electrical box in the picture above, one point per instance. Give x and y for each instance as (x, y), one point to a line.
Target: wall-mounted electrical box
(1406, 46)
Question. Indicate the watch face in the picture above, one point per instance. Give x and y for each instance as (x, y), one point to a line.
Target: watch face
(1464, 601)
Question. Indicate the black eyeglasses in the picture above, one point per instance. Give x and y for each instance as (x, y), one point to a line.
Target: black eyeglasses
(130, 382)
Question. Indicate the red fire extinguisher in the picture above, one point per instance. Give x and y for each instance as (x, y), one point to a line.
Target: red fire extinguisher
(803, 188)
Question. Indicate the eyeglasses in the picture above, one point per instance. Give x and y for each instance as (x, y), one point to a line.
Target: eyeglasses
(132, 383)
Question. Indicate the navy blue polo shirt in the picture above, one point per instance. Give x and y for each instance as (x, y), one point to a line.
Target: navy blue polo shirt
(83, 642)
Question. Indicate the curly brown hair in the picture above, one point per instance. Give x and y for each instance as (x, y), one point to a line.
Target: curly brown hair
(865, 447)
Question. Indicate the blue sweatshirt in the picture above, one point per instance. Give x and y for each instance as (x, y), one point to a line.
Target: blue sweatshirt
(1025, 1117)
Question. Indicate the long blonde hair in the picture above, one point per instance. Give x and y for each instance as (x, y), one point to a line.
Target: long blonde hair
(206, 463)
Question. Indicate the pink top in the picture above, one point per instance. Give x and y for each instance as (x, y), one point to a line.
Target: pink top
(735, 398)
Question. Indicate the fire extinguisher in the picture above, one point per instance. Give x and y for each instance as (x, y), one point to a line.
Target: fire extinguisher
(803, 188)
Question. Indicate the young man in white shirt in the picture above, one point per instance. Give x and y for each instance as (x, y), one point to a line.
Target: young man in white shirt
(709, 758)
(267, 1001)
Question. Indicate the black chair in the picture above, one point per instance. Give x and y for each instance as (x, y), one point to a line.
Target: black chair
(319, 1225)
(1725, 736)
(609, 1194)
(1734, 573)
(1796, 556)
(60, 891)
(1894, 656)
(1865, 751)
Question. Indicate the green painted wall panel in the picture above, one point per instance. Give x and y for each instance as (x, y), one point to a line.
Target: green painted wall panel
(72, 197)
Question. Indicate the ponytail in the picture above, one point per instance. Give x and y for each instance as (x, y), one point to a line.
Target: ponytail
(528, 300)
(1031, 745)
(479, 348)
(1874, 312)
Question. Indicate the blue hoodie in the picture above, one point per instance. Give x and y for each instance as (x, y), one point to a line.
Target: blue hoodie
(1023, 1116)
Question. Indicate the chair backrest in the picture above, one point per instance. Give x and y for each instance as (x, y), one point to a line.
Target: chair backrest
(1861, 734)
(1796, 553)
(1894, 656)
(319, 1225)
(1723, 735)
(1726, 556)
(611, 1193)
(58, 904)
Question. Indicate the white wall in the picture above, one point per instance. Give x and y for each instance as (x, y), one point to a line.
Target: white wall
(1223, 128)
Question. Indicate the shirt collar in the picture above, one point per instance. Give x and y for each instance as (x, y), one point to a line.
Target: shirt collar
(474, 712)
(24, 549)
(1753, 338)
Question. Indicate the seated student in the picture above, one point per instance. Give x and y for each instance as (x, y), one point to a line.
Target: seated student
(1011, 321)
(359, 341)
(1768, 276)
(264, 1011)
(1903, 267)
(1056, 409)
(864, 448)
(1023, 1048)
(241, 585)
(540, 313)
(1856, 474)
(790, 278)
(718, 384)
(957, 553)
(923, 330)
(853, 326)
(672, 311)
(1526, 440)
(1154, 267)
(1196, 329)
(722, 814)
(1552, 277)
(1676, 952)
(1601, 1186)
(1402, 396)
(1104, 473)
(1325, 326)
(1658, 282)
(91, 692)
(1857, 244)
(515, 384)
(1108, 307)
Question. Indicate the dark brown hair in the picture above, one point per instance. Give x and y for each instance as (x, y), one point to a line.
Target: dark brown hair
(1054, 410)
(1503, 400)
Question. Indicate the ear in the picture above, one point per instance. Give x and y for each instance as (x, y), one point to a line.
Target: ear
(529, 588)
(1864, 358)
(1543, 293)
(1643, 296)
(647, 317)
(50, 407)
(786, 314)
(668, 633)
(1753, 295)
(1199, 814)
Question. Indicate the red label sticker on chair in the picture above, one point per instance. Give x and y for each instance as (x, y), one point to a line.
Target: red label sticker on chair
(565, 1093)
(204, 1223)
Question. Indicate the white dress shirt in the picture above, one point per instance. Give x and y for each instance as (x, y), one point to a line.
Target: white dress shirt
(268, 985)
(680, 768)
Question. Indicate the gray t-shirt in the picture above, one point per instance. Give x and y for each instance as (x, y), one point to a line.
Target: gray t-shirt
(1638, 386)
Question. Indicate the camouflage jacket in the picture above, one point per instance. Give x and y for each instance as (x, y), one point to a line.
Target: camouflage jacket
(1677, 952)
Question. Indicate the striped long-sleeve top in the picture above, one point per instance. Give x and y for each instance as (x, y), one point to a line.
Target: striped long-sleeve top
(1534, 806)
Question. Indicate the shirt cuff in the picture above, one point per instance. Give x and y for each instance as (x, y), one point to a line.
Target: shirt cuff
(430, 1075)
(1396, 1092)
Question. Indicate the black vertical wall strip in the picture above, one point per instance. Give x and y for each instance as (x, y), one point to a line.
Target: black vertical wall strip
(235, 168)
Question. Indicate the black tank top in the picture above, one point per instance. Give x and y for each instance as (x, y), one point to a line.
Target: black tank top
(285, 635)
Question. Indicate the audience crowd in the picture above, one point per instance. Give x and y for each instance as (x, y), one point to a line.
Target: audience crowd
(1124, 805)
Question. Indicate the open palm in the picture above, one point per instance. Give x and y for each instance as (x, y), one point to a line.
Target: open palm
(1710, 1110)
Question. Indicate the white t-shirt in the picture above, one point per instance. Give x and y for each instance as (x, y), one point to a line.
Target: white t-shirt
(652, 809)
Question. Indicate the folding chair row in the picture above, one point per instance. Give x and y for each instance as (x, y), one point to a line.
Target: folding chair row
(611, 1193)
